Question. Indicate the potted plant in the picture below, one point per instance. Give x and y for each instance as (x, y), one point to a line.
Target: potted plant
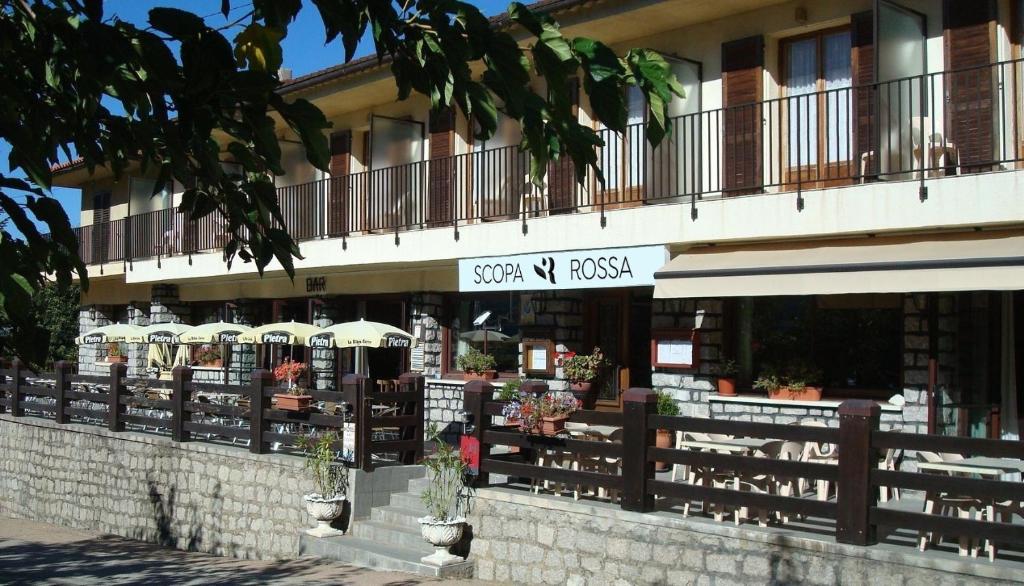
(295, 399)
(508, 393)
(330, 482)
(582, 372)
(115, 354)
(544, 415)
(799, 383)
(727, 378)
(770, 383)
(445, 500)
(476, 365)
(209, 355)
(663, 438)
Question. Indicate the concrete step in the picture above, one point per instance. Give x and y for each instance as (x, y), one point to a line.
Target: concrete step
(391, 534)
(418, 485)
(364, 553)
(408, 500)
(396, 515)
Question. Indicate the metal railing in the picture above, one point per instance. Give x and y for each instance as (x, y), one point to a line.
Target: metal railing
(934, 125)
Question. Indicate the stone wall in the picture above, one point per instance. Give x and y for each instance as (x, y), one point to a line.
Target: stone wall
(425, 314)
(89, 318)
(193, 496)
(528, 539)
(691, 389)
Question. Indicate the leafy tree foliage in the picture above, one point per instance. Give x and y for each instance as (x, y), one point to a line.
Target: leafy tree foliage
(179, 96)
(55, 310)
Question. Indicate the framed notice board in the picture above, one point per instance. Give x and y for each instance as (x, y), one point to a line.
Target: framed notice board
(676, 348)
(539, 357)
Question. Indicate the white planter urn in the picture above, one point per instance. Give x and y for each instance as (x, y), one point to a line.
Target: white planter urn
(324, 510)
(442, 534)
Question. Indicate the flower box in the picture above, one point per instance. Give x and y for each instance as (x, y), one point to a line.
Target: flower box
(485, 375)
(116, 359)
(287, 402)
(218, 363)
(552, 425)
(788, 394)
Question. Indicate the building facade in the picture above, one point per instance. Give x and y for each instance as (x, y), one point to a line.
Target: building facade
(839, 203)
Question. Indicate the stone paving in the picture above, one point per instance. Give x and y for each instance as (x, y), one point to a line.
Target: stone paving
(37, 553)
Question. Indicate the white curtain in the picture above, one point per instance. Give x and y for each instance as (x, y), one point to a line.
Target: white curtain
(838, 77)
(1008, 378)
(801, 84)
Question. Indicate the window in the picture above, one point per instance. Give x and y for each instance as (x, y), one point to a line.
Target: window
(497, 334)
(817, 75)
(855, 342)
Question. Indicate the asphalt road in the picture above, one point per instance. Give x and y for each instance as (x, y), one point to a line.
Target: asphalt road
(37, 553)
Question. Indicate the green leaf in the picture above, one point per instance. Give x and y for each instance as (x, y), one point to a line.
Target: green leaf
(179, 24)
(259, 47)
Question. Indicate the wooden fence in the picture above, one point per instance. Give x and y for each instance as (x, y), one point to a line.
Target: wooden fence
(856, 473)
(382, 423)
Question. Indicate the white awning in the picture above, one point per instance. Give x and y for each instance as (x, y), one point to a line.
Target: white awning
(975, 261)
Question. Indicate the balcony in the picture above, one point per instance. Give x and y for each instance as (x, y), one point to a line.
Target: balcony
(926, 127)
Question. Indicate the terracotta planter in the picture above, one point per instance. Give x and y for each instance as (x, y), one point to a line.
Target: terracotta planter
(727, 386)
(286, 402)
(485, 375)
(218, 363)
(552, 425)
(117, 359)
(662, 439)
(585, 393)
(804, 394)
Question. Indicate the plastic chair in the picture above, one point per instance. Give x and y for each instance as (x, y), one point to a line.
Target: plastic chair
(943, 503)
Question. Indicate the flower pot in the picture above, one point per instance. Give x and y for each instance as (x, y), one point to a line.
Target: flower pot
(286, 402)
(788, 394)
(218, 363)
(727, 386)
(552, 425)
(662, 439)
(585, 393)
(117, 359)
(485, 375)
(442, 534)
(324, 510)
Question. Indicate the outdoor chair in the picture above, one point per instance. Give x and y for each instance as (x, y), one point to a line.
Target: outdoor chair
(938, 502)
(942, 155)
(555, 458)
(1003, 512)
(891, 462)
(817, 453)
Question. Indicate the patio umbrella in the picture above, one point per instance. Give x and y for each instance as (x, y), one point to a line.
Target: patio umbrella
(159, 333)
(181, 357)
(362, 334)
(158, 355)
(107, 334)
(213, 333)
(293, 333)
(484, 336)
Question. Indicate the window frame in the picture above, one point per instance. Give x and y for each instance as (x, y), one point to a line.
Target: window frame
(448, 367)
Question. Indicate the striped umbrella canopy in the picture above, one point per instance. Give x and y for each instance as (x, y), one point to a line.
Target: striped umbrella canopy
(159, 333)
(213, 333)
(292, 332)
(107, 334)
(362, 334)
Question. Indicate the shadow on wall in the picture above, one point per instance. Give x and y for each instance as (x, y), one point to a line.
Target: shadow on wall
(179, 529)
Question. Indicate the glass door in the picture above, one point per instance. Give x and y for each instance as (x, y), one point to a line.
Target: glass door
(818, 106)
(396, 146)
(622, 158)
(900, 65)
(673, 168)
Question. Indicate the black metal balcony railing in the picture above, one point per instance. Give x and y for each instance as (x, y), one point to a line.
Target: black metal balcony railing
(940, 124)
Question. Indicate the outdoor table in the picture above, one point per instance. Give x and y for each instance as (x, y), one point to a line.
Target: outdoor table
(735, 445)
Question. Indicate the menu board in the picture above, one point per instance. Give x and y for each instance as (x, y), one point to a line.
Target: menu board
(538, 357)
(674, 349)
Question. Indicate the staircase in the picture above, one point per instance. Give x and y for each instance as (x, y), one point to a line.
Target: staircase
(389, 540)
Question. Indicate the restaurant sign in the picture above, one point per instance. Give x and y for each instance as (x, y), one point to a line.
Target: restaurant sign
(569, 269)
(162, 337)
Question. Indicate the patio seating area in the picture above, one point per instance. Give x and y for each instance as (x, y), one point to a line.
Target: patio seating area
(960, 497)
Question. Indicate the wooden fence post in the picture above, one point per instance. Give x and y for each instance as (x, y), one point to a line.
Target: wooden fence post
(61, 385)
(16, 408)
(854, 495)
(115, 410)
(476, 395)
(258, 402)
(637, 437)
(413, 382)
(181, 389)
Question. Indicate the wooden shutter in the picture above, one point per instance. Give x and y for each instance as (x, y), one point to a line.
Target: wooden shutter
(742, 73)
(865, 98)
(970, 46)
(100, 227)
(337, 194)
(561, 173)
(441, 169)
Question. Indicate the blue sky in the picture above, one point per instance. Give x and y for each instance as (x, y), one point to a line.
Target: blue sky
(304, 50)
